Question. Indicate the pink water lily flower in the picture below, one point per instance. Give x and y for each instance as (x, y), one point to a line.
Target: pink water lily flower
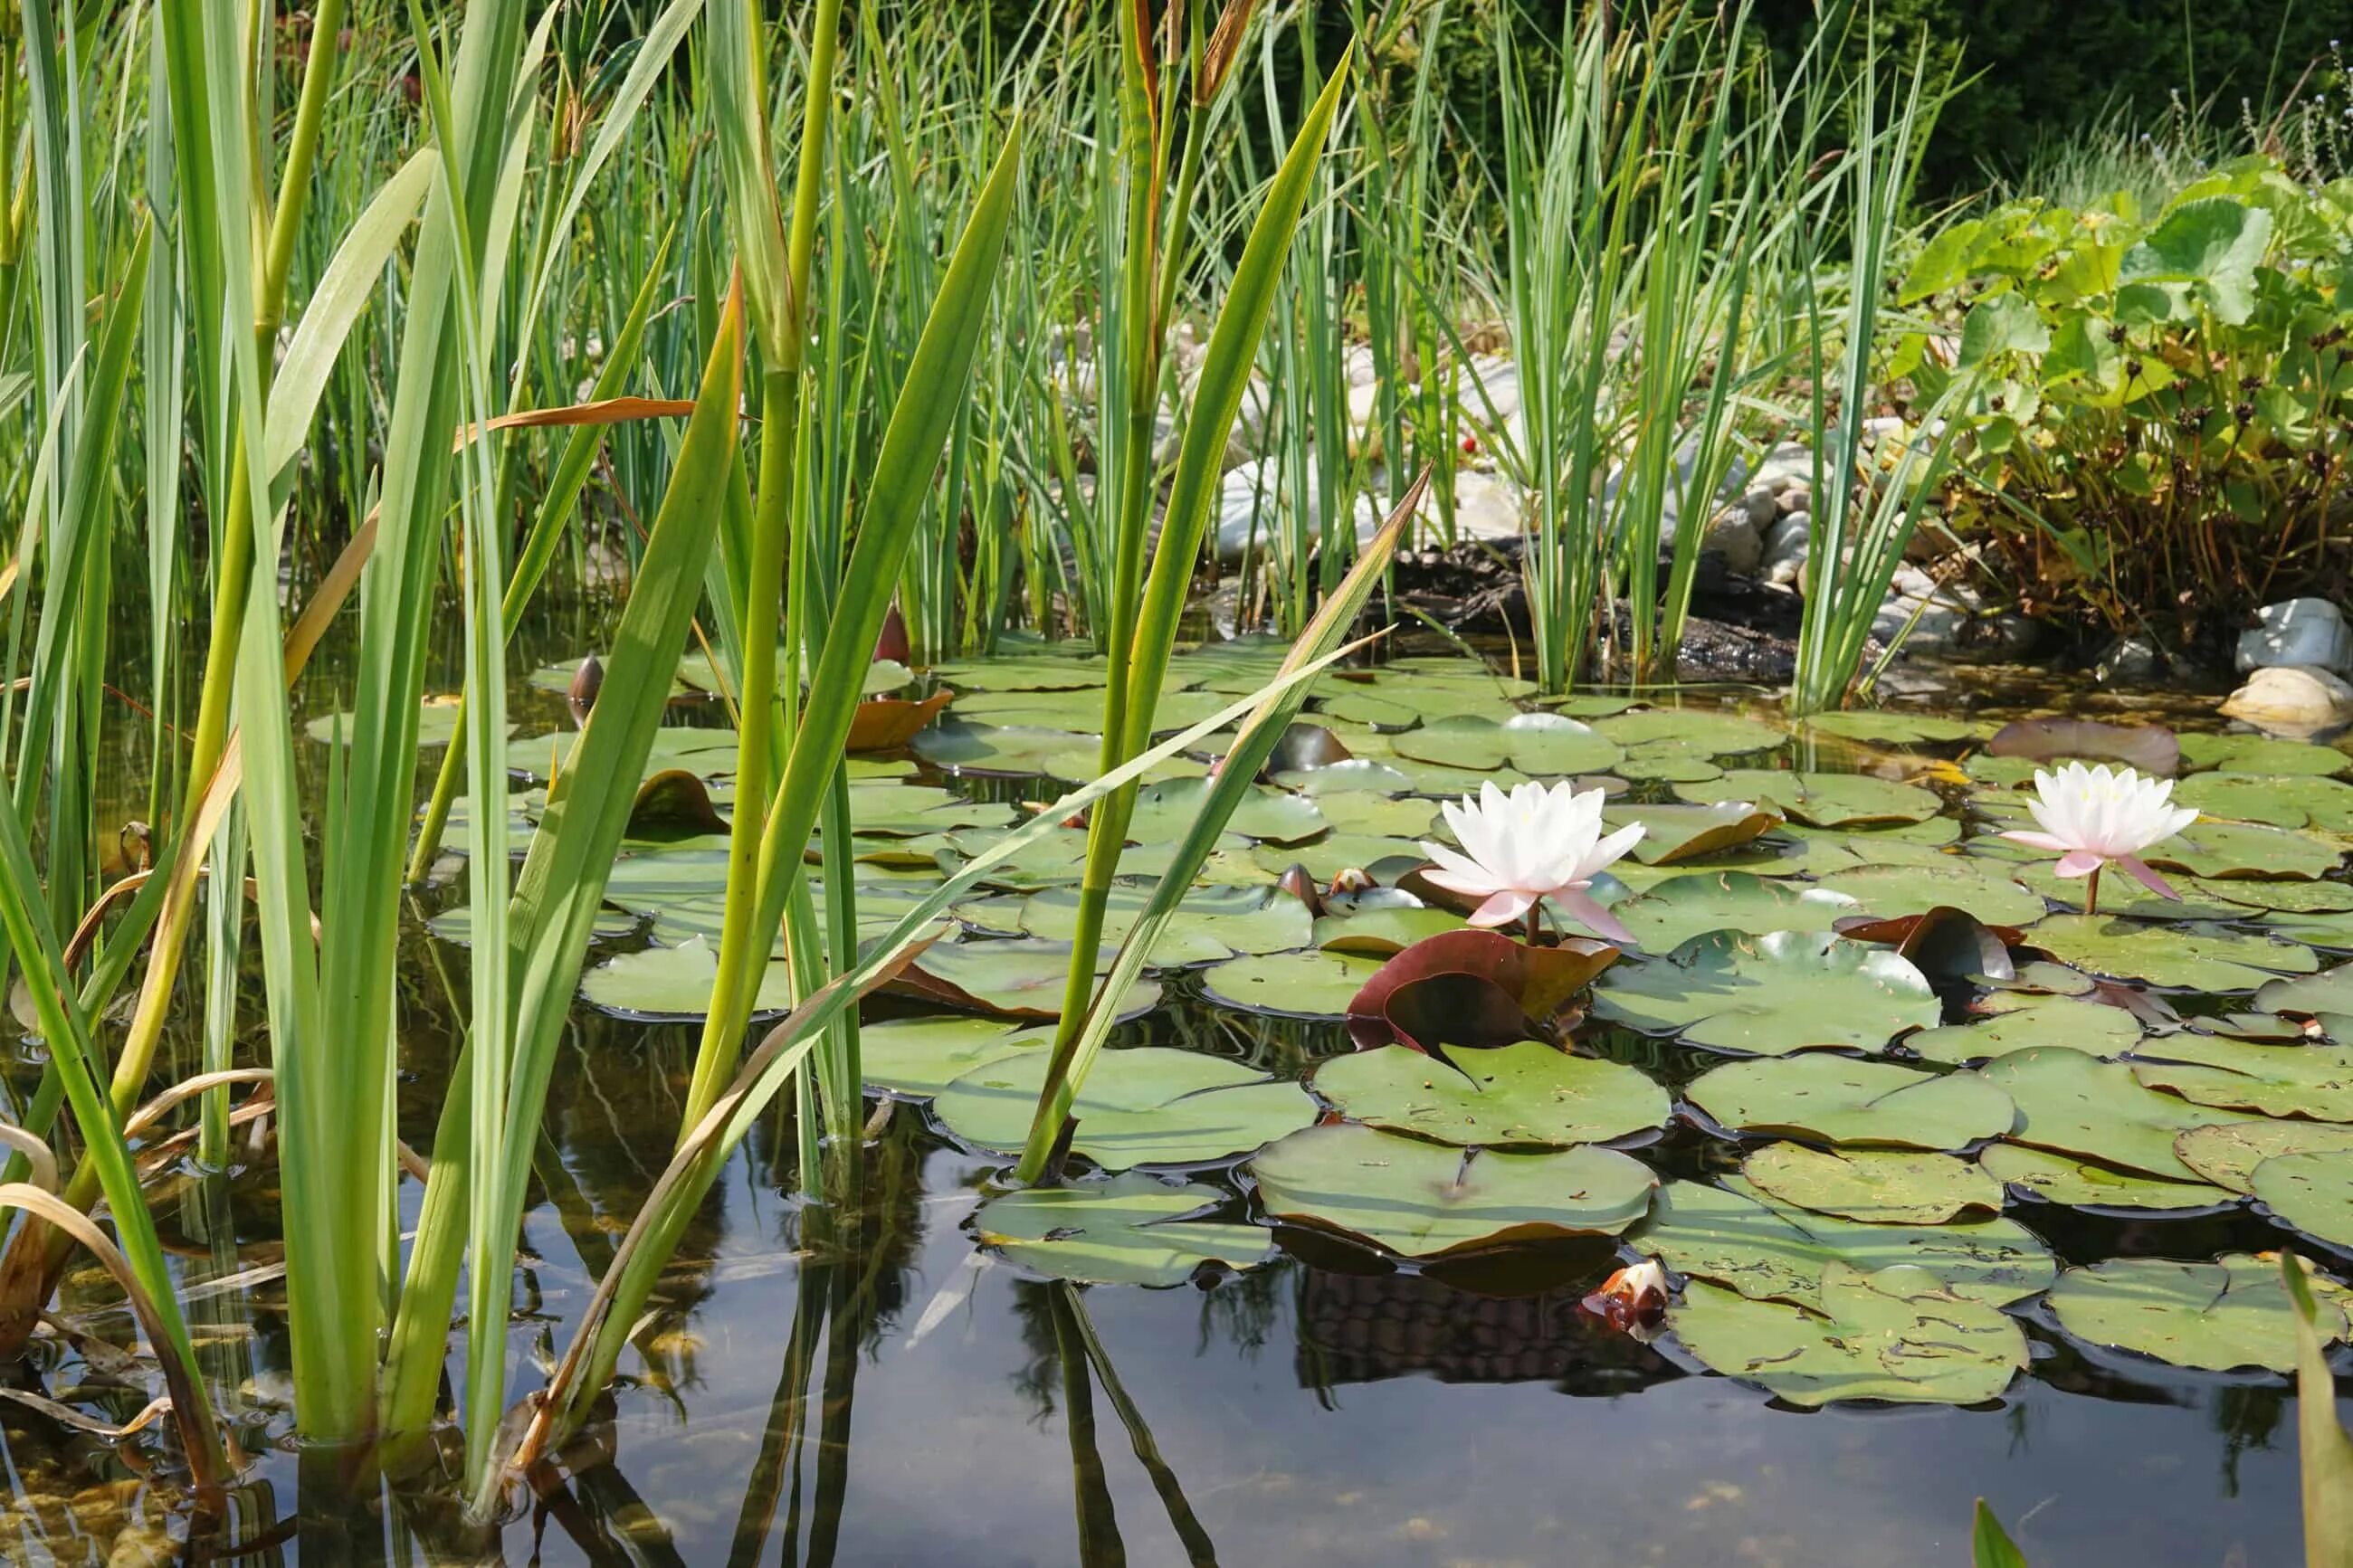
(2092, 817)
(1531, 845)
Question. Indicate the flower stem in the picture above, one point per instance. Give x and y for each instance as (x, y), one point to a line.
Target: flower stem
(2092, 892)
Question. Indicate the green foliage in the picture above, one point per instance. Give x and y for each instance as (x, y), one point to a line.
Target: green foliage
(2157, 407)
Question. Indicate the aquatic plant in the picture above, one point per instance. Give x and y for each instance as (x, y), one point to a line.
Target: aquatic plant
(1536, 842)
(2092, 818)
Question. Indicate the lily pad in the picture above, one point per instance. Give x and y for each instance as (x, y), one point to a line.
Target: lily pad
(2295, 800)
(700, 751)
(1381, 932)
(1842, 1100)
(892, 807)
(1822, 800)
(2215, 1317)
(2195, 958)
(1166, 811)
(1771, 994)
(2252, 753)
(1901, 1335)
(924, 1056)
(2279, 1080)
(1827, 853)
(1538, 744)
(1675, 834)
(1019, 979)
(956, 746)
(1881, 1186)
(1525, 1094)
(2228, 1153)
(1133, 1230)
(1891, 728)
(1685, 907)
(1356, 776)
(674, 983)
(2058, 1022)
(2063, 1179)
(2245, 849)
(1291, 984)
(2312, 1191)
(1429, 1200)
(2329, 992)
(1769, 1251)
(1949, 882)
(1211, 925)
(1149, 1106)
(1704, 732)
(2072, 1103)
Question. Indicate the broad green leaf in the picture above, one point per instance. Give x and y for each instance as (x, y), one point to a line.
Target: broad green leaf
(1685, 907)
(1149, 1106)
(2312, 1192)
(1879, 1186)
(2078, 1104)
(1901, 1335)
(1523, 1094)
(1771, 994)
(2193, 958)
(1291, 984)
(2214, 1317)
(1841, 1100)
(1430, 1200)
(2228, 1153)
(1133, 1230)
(2063, 1179)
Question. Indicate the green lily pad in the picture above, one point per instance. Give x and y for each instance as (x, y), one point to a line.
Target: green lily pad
(2058, 1022)
(1291, 984)
(2195, 958)
(1165, 812)
(1381, 932)
(674, 983)
(2312, 1191)
(702, 753)
(1685, 907)
(1842, 1100)
(2329, 992)
(1362, 814)
(1336, 854)
(1149, 1106)
(1771, 994)
(956, 746)
(1663, 761)
(1401, 703)
(1827, 853)
(2304, 800)
(924, 1056)
(1429, 1200)
(1881, 1186)
(2261, 755)
(1027, 672)
(2215, 1317)
(2072, 1103)
(1528, 1093)
(1771, 1251)
(1702, 731)
(1674, 834)
(2332, 931)
(1019, 979)
(2299, 898)
(889, 807)
(2306, 1080)
(1889, 728)
(1538, 744)
(436, 721)
(1081, 710)
(1823, 800)
(1901, 1335)
(1357, 775)
(1211, 925)
(1133, 1230)
(2245, 849)
(2228, 1153)
(1914, 889)
(2063, 1179)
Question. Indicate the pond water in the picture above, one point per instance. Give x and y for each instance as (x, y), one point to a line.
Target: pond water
(872, 1388)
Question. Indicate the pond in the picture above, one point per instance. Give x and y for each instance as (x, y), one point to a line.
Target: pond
(870, 1384)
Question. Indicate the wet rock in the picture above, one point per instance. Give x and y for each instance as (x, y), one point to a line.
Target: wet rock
(1786, 546)
(1487, 507)
(2131, 664)
(1251, 504)
(2297, 631)
(2291, 699)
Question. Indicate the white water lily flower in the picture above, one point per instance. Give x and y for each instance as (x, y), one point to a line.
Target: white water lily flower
(2092, 817)
(1533, 844)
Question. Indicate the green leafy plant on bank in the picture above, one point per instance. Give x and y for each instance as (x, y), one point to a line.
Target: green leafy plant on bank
(2161, 422)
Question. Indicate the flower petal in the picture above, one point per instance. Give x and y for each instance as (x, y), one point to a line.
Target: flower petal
(2050, 841)
(2149, 878)
(1584, 912)
(2081, 862)
(1502, 909)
